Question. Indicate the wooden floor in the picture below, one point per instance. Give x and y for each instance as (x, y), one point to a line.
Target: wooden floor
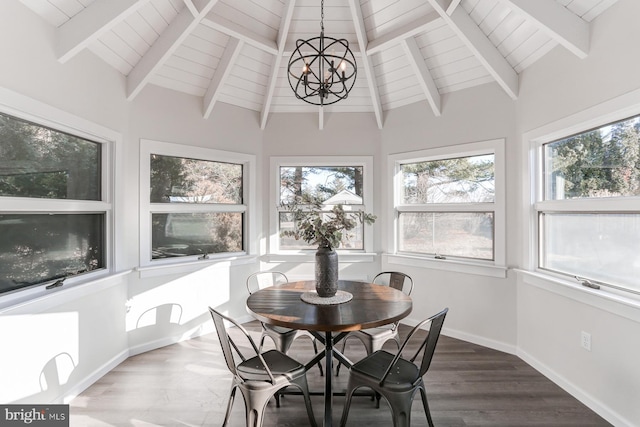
(187, 384)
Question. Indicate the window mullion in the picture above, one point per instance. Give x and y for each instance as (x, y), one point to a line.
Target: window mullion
(192, 207)
(448, 207)
(613, 204)
(20, 204)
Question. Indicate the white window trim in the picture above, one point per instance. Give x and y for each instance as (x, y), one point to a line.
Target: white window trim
(23, 107)
(148, 147)
(495, 268)
(613, 110)
(275, 254)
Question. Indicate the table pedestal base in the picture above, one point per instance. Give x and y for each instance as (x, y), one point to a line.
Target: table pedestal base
(328, 353)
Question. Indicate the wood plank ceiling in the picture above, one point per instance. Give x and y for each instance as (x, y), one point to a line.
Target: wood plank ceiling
(236, 51)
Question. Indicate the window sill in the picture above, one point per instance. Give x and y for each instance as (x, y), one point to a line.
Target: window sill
(24, 300)
(614, 302)
(480, 269)
(311, 257)
(184, 267)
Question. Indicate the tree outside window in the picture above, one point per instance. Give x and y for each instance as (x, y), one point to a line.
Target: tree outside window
(449, 182)
(188, 182)
(588, 216)
(47, 165)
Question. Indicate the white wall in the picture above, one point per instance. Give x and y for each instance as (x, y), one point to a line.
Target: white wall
(81, 332)
(163, 115)
(482, 309)
(80, 329)
(99, 324)
(562, 90)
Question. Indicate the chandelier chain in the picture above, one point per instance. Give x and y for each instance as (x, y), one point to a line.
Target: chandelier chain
(322, 16)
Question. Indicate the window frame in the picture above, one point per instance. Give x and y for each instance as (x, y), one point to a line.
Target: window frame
(148, 147)
(41, 114)
(366, 162)
(601, 115)
(495, 267)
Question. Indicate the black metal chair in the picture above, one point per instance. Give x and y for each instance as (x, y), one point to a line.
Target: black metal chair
(281, 337)
(373, 339)
(259, 377)
(395, 378)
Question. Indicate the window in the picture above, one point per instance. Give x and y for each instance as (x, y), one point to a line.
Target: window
(194, 201)
(327, 181)
(53, 215)
(449, 203)
(588, 211)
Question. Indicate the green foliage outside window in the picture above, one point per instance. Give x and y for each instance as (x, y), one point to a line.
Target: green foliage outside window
(455, 180)
(604, 162)
(39, 162)
(191, 181)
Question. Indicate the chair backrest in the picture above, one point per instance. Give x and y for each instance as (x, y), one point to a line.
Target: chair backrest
(430, 341)
(225, 340)
(397, 280)
(264, 279)
(226, 343)
(429, 344)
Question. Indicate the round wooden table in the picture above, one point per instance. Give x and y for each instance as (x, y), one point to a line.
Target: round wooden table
(371, 306)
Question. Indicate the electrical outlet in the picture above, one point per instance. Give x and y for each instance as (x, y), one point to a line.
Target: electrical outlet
(585, 340)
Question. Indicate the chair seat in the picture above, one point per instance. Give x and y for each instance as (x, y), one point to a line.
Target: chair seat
(383, 332)
(371, 369)
(278, 362)
(375, 338)
(279, 329)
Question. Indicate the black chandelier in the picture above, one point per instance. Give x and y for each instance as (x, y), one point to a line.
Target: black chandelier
(322, 67)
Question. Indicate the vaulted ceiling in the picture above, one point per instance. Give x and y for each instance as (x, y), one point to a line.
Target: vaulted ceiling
(236, 51)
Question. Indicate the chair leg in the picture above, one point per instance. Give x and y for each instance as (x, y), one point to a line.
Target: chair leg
(229, 405)
(344, 345)
(347, 405)
(303, 385)
(423, 394)
(400, 404)
(255, 404)
(315, 351)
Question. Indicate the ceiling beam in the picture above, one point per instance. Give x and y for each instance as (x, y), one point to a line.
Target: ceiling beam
(452, 6)
(92, 22)
(200, 6)
(285, 23)
(192, 7)
(556, 20)
(481, 47)
(361, 34)
(241, 33)
(422, 73)
(412, 29)
(165, 46)
(223, 70)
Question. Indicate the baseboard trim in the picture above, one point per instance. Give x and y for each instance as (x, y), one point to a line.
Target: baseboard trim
(95, 376)
(203, 329)
(592, 403)
(472, 338)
